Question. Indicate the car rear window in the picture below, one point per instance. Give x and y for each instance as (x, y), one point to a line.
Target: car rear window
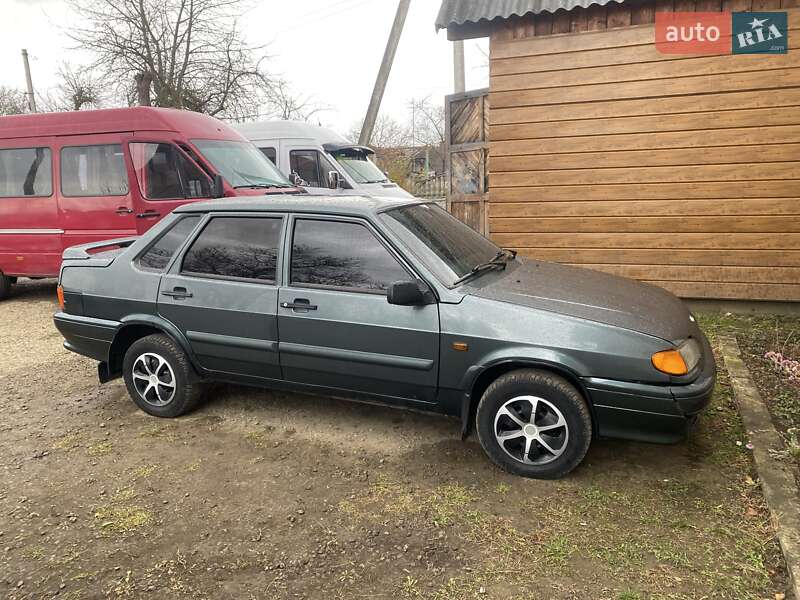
(241, 248)
(159, 254)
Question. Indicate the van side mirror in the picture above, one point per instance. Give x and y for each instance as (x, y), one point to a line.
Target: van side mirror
(409, 293)
(295, 179)
(334, 180)
(217, 187)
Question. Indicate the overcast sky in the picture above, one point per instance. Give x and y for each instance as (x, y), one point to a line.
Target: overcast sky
(330, 49)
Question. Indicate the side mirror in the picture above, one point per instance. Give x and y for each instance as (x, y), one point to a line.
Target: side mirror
(409, 293)
(217, 187)
(296, 179)
(334, 180)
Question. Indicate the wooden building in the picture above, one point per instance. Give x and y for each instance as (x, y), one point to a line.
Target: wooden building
(683, 171)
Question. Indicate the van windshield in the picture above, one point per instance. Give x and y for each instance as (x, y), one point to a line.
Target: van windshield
(359, 167)
(241, 164)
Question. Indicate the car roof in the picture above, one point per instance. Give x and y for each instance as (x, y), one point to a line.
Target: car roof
(349, 205)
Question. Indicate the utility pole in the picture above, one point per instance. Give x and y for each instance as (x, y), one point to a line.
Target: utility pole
(31, 97)
(458, 66)
(383, 72)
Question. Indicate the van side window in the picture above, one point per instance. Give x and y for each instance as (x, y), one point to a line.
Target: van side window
(26, 172)
(164, 172)
(159, 254)
(236, 248)
(93, 171)
(311, 167)
(270, 154)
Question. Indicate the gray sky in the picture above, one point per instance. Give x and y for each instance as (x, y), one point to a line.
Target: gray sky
(330, 49)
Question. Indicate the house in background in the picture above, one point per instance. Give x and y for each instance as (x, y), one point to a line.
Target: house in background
(682, 171)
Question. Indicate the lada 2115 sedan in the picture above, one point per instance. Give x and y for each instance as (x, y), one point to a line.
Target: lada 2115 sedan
(392, 300)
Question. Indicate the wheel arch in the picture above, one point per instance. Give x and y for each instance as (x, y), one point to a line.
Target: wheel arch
(484, 377)
(134, 328)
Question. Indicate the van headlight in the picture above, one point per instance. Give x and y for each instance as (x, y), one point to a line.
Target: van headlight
(678, 361)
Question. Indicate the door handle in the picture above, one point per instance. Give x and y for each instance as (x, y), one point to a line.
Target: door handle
(147, 214)
(124, 210)
(299, 304)
(179, 293)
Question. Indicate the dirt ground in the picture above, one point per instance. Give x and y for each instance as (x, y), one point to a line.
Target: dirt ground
(272, 495)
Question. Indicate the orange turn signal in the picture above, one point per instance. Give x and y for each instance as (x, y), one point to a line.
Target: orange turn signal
(60, 293)
(670, 361)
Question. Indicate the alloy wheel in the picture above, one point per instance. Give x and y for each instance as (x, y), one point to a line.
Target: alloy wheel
(531, 430)
(153, 379)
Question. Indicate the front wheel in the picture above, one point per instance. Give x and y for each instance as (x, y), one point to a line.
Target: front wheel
(158, 376)
(534, 423)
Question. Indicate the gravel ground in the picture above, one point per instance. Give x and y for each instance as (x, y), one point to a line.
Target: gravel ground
(271, 495)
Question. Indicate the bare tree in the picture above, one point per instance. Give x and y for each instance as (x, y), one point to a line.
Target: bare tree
(388, 133)
(12, 101)
(177, 53)
(285, 104)
(427, 121)
(79, 88)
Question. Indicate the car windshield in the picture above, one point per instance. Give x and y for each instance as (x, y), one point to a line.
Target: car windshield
(359, 167)
(241, 164)
(448, 247)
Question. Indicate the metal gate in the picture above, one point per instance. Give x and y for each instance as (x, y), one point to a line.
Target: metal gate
(467, 156)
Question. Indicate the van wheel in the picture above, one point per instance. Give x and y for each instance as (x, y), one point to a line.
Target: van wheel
(534, 423)
(5, 286)
(157, 374)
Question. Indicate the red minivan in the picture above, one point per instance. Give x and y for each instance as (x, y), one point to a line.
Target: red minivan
(77, 177)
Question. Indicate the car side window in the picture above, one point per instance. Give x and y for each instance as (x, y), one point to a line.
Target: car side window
(164, 172)
(270, 153)
(158, 255)
(236, 248)
(26, 172)
(342, 254)
(93, 171)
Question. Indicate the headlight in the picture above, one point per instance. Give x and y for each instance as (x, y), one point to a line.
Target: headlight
(680, 361)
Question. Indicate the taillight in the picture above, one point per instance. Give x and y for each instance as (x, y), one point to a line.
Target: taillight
(60, 293)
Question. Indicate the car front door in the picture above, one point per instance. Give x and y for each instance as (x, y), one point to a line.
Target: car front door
(223, 295)
(313, 168)
(337, 329)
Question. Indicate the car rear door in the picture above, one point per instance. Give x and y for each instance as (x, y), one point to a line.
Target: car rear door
(222, 293)
(336, 326)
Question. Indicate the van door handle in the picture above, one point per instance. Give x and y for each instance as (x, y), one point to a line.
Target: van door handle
(124, 210)
(147, 214)
(299, 304)
(179, 293)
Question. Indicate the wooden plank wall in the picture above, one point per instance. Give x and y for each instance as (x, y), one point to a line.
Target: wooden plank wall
(680, 171)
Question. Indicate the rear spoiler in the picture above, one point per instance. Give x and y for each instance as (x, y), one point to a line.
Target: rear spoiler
(84, 251)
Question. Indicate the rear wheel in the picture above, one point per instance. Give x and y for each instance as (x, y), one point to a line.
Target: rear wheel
(157, 374)
(5, 285)
(534, 423)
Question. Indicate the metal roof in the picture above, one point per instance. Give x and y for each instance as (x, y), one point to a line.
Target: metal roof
(453, 14)
(269, 130)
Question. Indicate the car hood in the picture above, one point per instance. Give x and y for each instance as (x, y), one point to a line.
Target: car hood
(588, 294)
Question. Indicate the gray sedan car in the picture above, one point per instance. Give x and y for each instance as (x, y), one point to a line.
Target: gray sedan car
(389, 300)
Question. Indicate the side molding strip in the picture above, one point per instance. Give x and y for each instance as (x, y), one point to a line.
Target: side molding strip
(230, 340)
(372, 358)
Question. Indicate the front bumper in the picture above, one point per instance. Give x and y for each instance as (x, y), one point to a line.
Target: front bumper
(652, 413)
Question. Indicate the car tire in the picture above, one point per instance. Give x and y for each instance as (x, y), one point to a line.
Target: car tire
(158, 376)
(5, 286)
(547, 446)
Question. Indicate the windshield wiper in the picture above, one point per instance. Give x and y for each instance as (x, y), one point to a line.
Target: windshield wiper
(262, 185)
(499, 260)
